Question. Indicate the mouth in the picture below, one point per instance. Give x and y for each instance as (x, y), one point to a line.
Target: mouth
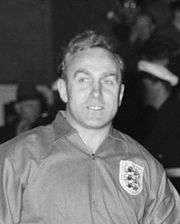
(95, 108)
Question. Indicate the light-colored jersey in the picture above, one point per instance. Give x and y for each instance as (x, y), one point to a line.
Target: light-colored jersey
(48, 176)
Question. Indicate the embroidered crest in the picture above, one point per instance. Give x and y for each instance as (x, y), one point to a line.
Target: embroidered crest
(131, 177)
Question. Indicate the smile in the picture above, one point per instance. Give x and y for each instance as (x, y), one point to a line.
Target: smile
(94, 108)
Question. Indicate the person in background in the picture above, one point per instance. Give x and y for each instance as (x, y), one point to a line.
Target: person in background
(160, 118)
(126, 119)
(55, 104)
(141, 32)
(142, 28)
(79, 169)
(171, 31)
(28, 108)
(160, 11)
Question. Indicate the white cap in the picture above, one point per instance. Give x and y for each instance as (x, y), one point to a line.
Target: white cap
(158, 71)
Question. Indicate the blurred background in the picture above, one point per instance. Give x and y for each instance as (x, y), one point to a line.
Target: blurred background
(33, 34)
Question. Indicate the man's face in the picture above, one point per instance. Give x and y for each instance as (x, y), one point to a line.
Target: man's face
(29, 109)
(92, 91)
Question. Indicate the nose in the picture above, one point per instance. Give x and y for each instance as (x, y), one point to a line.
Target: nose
(97, 89)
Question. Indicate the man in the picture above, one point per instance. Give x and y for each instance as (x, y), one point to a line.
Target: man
(79, 169)
(29, 106)
(161, 116)
(27, 109)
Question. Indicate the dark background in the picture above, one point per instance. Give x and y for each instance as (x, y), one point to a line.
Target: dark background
(33, 32)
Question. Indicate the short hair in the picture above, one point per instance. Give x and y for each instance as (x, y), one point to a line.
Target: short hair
(86, 40)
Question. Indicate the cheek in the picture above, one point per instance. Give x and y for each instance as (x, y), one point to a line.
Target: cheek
(31, 111)
(112, 94)
(77, 94)
(37, 110)
(112, 100)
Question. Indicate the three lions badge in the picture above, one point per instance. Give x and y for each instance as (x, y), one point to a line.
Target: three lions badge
(131, 177)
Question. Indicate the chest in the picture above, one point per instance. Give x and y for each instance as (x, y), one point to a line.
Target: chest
(83, 188)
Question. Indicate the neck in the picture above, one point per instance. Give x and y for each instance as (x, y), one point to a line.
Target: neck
(93, 138)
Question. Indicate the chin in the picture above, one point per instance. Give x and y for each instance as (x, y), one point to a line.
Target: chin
(96, 124)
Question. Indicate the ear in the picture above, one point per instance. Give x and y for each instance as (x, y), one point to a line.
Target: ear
(62, 89)
(121, 93)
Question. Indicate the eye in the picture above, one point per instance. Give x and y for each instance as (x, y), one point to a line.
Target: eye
(82, 78)
(109, 81)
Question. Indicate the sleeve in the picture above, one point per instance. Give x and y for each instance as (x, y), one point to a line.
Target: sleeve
(17, 164)
(10, 192)
(165, 204)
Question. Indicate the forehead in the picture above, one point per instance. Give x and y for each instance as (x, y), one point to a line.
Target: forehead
(97, 59)
(30, 102)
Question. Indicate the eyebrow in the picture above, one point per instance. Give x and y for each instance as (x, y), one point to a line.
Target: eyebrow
(116, 75)
(81, 71)
(111, 74)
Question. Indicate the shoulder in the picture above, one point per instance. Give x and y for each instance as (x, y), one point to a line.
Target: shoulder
(130, 145)
(132, 150)
(35, 144)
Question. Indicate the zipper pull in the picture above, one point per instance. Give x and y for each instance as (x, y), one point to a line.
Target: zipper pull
(93, 156)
